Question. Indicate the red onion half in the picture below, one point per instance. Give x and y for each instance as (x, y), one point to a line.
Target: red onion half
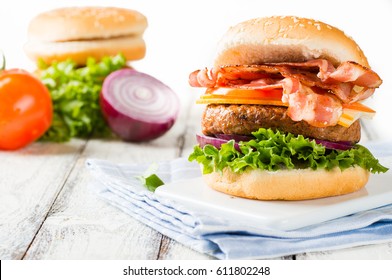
(137, 106)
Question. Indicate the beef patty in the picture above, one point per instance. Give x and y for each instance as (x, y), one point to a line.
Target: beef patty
(245, 119)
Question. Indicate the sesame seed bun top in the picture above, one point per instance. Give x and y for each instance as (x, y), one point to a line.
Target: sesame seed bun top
(286, 39)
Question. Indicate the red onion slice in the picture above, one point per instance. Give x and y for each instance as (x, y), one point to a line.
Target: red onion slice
(137, 106)
(203, 140)
(220, 139)
(342, 145)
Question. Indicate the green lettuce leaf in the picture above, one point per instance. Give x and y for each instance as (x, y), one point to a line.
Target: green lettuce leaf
(273, 150)
(75, 95)
(149, 179)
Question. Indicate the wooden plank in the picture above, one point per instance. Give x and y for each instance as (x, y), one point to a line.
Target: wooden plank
(81, 226)
(30, 180)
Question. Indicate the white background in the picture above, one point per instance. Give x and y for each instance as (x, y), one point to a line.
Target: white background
(103, 270)
(182, 35)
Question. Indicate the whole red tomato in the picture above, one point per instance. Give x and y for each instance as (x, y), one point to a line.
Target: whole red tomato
(25, 109)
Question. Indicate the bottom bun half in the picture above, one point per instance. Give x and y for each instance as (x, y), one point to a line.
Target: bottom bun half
(295, 184)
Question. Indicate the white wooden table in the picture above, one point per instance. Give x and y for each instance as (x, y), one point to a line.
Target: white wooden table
(46, 208)
(48, 212)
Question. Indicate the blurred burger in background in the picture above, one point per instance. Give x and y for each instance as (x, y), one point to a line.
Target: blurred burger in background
(77, 33)
(284, 98)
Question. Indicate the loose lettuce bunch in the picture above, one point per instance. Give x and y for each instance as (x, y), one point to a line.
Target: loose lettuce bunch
(75, 94)
(273, 150)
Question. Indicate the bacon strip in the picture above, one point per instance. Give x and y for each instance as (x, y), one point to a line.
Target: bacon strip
(348, 71)
(319, 110)
(340, 81)
(245, 74)
(359, 75)
(342, 90)
(202, 78)
(322, 67)
(231, 75)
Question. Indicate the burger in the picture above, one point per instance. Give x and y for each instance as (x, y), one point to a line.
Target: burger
(283, 102)
(77, 33)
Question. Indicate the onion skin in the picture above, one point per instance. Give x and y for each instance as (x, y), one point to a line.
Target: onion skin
(138, 107)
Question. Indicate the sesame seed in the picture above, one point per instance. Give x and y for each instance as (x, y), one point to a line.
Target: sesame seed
(120, 18)
(282, 29)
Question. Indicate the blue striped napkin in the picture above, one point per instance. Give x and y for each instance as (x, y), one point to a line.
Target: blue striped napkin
(219, 236)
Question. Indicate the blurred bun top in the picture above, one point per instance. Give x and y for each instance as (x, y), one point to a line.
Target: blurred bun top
(86, 23)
